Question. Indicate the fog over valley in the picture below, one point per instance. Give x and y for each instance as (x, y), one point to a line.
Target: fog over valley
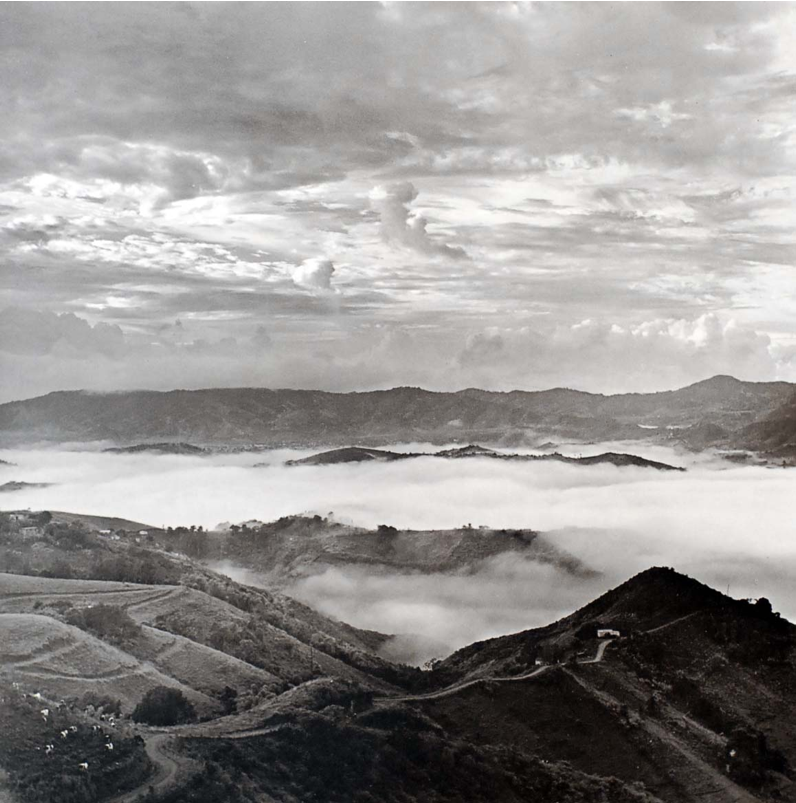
(729, 525)
(397, 402)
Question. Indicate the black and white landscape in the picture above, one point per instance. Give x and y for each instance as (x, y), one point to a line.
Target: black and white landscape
(397, 403)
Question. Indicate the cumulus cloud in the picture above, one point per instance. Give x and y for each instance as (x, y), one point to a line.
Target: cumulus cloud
(37, 351)
(598, 355)
(314, 273)
(481, 347)
(399, 225)
(27, 332)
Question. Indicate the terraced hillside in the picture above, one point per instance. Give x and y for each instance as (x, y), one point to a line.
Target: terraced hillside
(660, 691)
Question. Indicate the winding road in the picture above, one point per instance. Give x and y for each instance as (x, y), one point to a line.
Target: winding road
(168, 766)
(458, 687)
(166, 769)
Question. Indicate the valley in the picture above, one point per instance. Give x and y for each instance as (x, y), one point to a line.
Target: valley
(661, 689)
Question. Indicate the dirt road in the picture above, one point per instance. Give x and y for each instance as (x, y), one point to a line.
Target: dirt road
(459, 687)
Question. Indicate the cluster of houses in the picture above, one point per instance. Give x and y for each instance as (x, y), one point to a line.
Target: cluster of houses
(28, 527)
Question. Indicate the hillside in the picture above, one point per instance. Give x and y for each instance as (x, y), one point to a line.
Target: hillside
(693, 700)
(248, 416)
(775, 433)
(75, 567)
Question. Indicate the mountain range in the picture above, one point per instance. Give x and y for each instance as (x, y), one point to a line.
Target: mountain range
(721, 411)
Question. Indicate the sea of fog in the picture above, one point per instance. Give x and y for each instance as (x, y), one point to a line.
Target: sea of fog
(729, 526)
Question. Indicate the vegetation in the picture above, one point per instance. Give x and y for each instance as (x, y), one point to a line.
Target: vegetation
(749, 758)
(110, 623)
(322, 757)
(36, 775)
(164, 706)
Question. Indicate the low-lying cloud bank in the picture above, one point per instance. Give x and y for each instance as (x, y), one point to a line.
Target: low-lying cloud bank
(729, 526)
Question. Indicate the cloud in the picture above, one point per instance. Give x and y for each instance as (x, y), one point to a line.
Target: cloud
(34, 228)
(481, 347)
(261, 339)
(399, 225)
(569, 165)
(658, 354)
(38, 352)
(314, 273)
(27, 332)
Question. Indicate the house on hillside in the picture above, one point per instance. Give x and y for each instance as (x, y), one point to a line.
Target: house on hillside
(28, 533)
(606, 633)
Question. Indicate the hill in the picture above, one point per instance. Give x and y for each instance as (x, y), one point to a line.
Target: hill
(357, 454)
(689, 692)
(298, 546)
(16, 485)
(159, 448)
(265, 417)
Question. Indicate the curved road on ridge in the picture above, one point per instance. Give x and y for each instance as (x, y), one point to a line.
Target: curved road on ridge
(455, 689)
(167, 766)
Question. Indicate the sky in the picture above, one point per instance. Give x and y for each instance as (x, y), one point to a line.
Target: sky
(355, 196)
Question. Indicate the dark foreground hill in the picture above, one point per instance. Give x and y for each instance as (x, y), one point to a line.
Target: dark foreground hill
(662, 689)
(707, 413)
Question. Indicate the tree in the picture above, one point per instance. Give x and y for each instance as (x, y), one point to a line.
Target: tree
(229, 700)
(164, 706)
(111, 623)
(763, 607)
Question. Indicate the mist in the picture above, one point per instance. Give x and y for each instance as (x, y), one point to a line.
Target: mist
(729, 526)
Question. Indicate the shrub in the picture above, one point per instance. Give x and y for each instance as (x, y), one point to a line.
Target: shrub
(109, 705)
(164, 706)
(108, 622)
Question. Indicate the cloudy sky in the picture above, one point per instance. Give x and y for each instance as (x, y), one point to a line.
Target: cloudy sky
(352, 196)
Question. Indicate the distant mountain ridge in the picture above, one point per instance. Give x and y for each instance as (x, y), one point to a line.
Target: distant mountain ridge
(714, 411)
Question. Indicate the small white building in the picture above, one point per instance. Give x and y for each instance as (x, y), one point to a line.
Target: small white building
(608, 633)
(30, 532)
